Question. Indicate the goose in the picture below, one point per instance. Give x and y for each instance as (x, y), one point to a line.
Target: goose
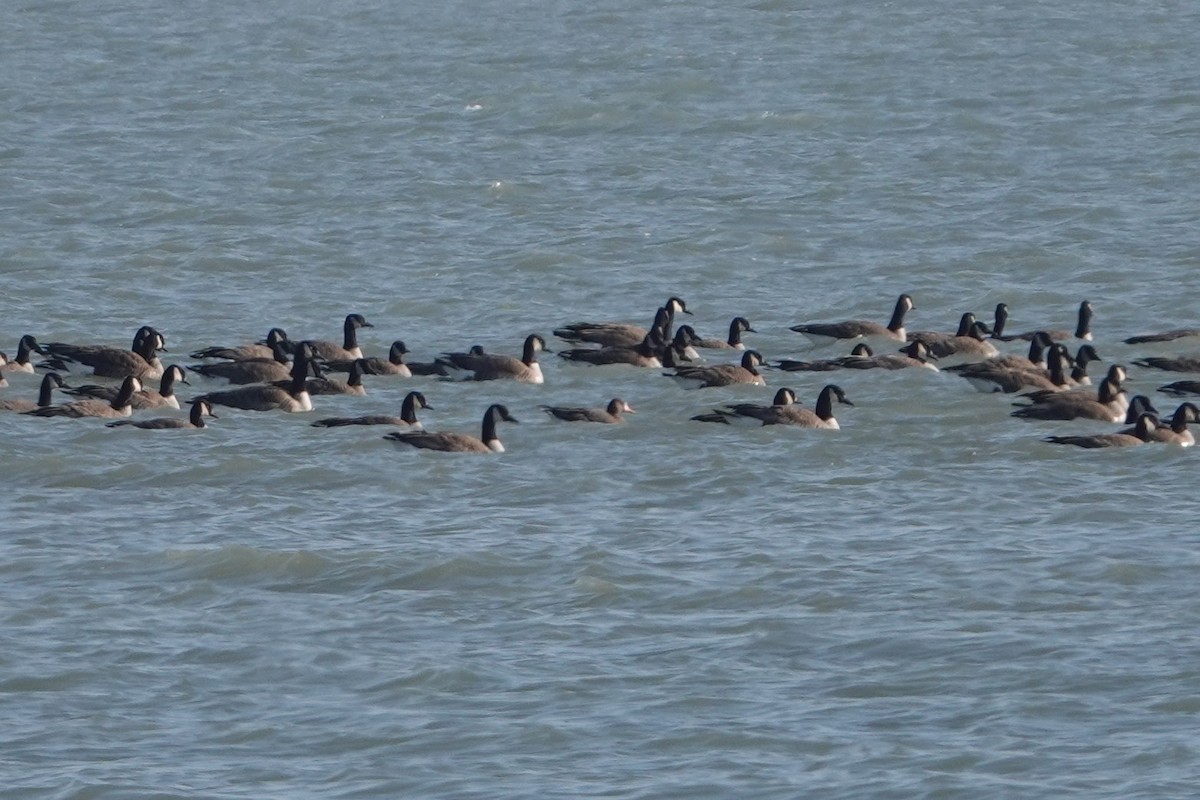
(821, 417)
(1083, 326)
(1014, 379)
(737, 327)
(828, 332)
(1170, 364)
(929, 337)
(321, 384)
(1165, 336)
(1035, 357)
(407, 418)
(247, 352)
(620, 333)
(267, 397)
(487, 366)
(1011, 373)
(685, 341)
(50, 382)
(3, 380)
(1177, 432)
(748, 413)
(1139, 404)
(200, 409)
(348, 349)
(119, 406)
(488, 442)
(789, 413)
(973, 346)
(610, 414)
(1141, 433)
(435, 367)
(616, 334)
(861, 351)
(1181, 388)
(698, 377)
(251, 370)
(26, 345)
(1109, 406)
(1085, 355)
(644, 355)
(140, 361)
(392, 365)
(914, 354)
(1116, 375)
(146, 398)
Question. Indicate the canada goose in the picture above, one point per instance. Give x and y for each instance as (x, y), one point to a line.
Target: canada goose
(1085, 355)
(200, 409)
(489, 442)
(325, 385)
(748, 413)
(246, 352)
(1083, 326)
(1139, 404)
(973, 346)
(1116, 376)
(348, 349)
(1142, 433)
(50, 382)
(827, 332)
(407, 418)
(684, 342)
(140, 361)
(821, 417)
(146, 398)
(737, 327)
(392, 365)
(1177, 432)
(643, 355)
(610, 414)
(3, 380)
(1181, 388)
(1165, 336)
(1011, 373)
(1035, 357)
(26, 345)
(700, 377)
(251, 370)
(790, 413)
(861, 352)
(617, 334)
(119, 406)
(929, 337)
(1109, 406)
(914, 354)
(267, 397)
(1170, 364)
(487, 366)
(1053, 380)
(436, 367)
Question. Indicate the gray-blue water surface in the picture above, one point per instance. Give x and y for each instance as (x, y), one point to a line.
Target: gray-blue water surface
(930, 602)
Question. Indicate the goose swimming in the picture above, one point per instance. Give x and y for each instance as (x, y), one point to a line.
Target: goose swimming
(488, 442)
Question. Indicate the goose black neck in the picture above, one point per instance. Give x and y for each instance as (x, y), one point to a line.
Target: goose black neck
(196, 417)
(47, 389)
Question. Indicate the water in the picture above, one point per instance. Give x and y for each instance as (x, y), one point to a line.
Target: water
(928, 603)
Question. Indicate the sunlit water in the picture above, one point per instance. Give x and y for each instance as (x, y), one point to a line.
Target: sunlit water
(930, 602)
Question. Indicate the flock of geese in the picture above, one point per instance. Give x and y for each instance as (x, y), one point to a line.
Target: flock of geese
(278, 373)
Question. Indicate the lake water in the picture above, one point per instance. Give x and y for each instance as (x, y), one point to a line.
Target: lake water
(930, 602)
